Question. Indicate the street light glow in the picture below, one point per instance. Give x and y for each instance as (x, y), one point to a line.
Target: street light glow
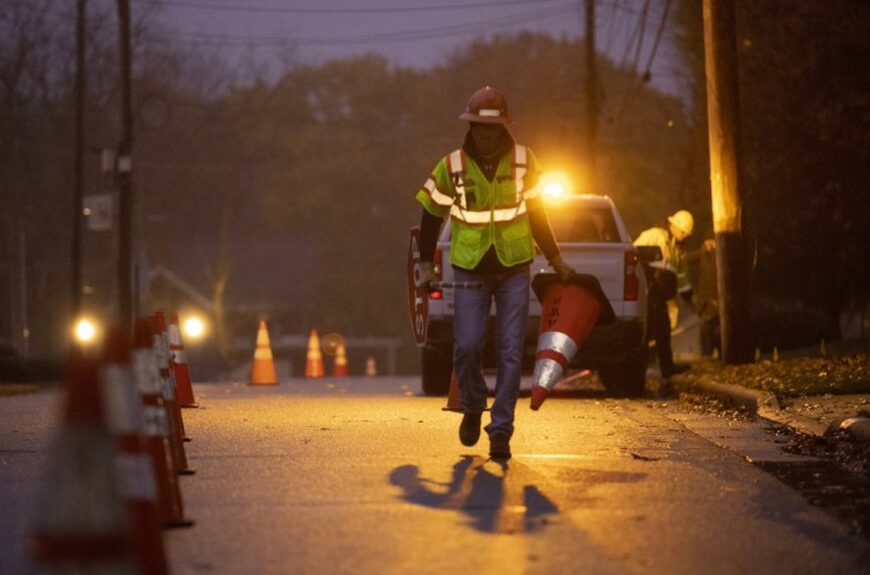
(85, 330)
(194, 327)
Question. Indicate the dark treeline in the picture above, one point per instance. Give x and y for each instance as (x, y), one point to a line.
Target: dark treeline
(292, 200)
(805, 153)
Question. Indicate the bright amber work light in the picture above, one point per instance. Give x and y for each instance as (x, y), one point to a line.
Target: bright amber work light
(554, 190)
(555, 185)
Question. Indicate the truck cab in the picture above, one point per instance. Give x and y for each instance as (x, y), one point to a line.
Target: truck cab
(593, 239)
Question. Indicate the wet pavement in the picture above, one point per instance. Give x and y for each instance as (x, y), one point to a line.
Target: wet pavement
(366, 476)
(829, 432)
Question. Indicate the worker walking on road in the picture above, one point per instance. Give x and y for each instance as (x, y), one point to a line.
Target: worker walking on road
(489, 189)
(667, 278)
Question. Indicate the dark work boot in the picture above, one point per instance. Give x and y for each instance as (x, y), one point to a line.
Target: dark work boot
(499, 445)
(469, 429)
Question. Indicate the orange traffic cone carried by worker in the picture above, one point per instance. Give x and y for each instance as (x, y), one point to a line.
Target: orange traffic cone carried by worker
(314, 357)
(569, 311)
(178, 361)
(173, 413)
(263, 366)
(339, 368)
(126, 423)
(82, 522)
(158, 433)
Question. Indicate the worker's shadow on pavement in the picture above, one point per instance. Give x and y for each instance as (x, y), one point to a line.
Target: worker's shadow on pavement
(496, 496)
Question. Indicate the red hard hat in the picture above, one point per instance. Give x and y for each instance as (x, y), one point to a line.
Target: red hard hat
(486, 106)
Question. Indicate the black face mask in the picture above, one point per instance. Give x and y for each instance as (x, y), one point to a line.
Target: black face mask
(489, 140)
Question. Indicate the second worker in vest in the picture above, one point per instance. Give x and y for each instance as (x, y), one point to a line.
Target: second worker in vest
(489, 190)
(667, 279)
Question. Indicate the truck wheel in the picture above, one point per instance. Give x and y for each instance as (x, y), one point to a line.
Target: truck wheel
(437, 369)
(624, 379)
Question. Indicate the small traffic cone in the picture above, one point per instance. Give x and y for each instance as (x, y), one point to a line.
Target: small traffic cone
(173, 413)
(263, 366)
(371, 367)
(82, 524)
(314, 357)
(158, 434)
(454, 403)
(126, 423)
(178, 360)
(339, 368)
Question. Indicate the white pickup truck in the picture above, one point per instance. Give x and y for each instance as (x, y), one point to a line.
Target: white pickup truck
(593, 240)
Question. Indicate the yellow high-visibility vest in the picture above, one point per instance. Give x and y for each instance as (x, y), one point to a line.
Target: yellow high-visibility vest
(673, 255)
(484, 213)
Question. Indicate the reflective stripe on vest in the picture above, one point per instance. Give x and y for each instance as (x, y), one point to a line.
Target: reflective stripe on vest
(437, 196)
(520, 168)
(459, 209)
(483, 216)
(457, 174)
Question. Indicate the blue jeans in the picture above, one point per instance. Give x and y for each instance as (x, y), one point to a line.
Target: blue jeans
(510, 290)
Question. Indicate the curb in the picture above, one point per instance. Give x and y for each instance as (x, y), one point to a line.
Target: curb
(765, 406)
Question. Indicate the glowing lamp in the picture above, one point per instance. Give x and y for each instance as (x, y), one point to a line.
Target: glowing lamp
(194, 328)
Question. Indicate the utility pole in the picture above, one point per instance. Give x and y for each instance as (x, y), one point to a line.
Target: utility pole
(125, 178)
(720, 42)
(79, 163)
(591, 135)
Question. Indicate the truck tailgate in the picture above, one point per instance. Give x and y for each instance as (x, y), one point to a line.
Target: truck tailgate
(604, 261)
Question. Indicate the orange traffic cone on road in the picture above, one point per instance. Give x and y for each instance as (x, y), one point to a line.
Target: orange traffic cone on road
(82, 523)
(178, 360)
(339, 369)
(371, 367)
(126, 423)
(263, 367)
(454, 403)
(158, 434)
(314, 357)
(173, 413)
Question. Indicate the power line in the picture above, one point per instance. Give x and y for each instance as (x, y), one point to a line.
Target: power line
(637, 35)
(401, 36)
(192, 4)
(631, 90)
(658, 38)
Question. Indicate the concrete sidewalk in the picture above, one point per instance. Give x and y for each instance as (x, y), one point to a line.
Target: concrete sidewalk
(816, 415)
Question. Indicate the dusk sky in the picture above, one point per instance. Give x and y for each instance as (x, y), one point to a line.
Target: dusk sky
(416, 33)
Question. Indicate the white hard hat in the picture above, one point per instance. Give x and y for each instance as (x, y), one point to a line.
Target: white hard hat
(683, 221)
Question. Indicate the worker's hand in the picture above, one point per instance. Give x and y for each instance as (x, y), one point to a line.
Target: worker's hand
(564, 271)
(426, 274)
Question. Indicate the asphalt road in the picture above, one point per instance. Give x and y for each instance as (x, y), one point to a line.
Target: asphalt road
(365, 476)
